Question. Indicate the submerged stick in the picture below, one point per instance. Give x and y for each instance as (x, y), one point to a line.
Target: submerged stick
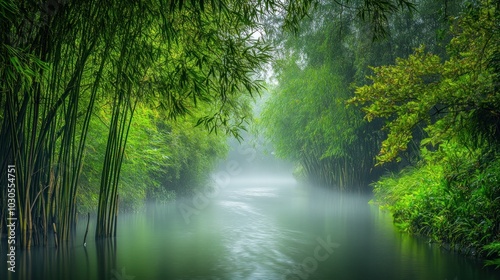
(86, 231)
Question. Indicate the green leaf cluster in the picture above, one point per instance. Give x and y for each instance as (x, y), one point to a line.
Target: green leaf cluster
(451, 198)
(306, 116)
(452, 195)
(443, 97)
(163, 160)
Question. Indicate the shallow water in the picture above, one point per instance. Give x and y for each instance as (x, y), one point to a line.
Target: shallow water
(252, 228)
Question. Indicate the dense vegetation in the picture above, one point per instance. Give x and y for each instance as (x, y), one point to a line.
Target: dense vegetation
(428, 94)
(107, 104)
(307, 118)
(82, 80)
(453, 193)
(164, 159)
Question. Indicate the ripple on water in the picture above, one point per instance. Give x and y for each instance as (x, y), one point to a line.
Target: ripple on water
(238, 207)
(254, 242)
(259, 192)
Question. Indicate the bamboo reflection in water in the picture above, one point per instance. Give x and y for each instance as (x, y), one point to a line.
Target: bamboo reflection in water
(106, 258)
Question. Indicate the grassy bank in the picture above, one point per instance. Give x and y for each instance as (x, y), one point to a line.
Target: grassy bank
(452, 197)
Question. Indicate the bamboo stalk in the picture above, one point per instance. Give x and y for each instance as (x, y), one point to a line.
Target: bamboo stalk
(55, 235)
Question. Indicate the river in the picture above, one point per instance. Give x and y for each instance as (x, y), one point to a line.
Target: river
(253, 228)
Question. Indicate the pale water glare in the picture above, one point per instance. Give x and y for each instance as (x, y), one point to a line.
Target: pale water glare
(254, 228)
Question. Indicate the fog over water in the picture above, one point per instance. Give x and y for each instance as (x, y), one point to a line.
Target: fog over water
(257, 223)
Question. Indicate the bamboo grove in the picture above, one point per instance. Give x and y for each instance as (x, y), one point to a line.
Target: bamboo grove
(62, 61)
(331, 142)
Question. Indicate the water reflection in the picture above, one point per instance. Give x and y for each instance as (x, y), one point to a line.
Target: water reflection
(250, 234)
(253, 229)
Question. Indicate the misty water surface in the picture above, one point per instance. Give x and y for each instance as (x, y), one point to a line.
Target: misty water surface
(257, 227)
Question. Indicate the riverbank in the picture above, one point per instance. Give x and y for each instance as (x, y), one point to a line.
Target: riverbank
(452, 197)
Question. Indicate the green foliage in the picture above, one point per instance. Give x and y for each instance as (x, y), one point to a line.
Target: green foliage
(493, 249)
(443, 97)
(306, 117)
(451, 198)
(452, 195)
(58, 59)
(164, 159)
(307, 121)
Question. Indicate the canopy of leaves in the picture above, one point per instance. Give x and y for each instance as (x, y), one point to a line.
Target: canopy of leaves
(306, 117)
(60, 59)
(445, 97)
